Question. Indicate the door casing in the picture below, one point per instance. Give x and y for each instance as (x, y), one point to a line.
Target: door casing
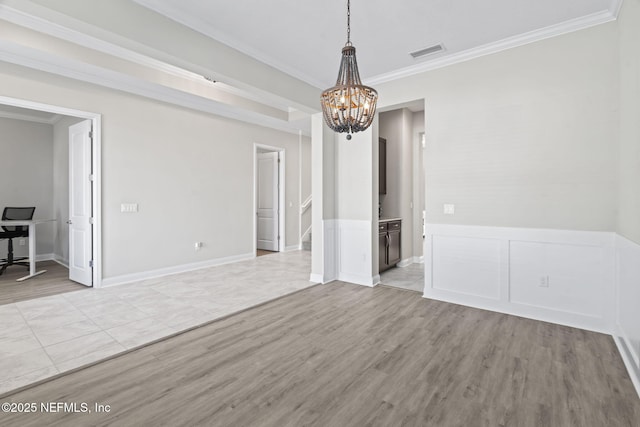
(281, 196)
(96, 160)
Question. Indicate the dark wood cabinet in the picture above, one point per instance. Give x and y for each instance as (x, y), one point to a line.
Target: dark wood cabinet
(382, 166)
(389, 243)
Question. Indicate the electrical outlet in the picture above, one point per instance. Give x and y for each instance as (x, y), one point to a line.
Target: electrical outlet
(22, 242)
(544, 281)
(128, 207)
(449, 209)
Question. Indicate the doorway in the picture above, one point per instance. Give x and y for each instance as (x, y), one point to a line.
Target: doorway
(269, 191)
(83, 237)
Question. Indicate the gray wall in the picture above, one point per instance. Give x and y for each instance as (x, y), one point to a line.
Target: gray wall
(526, 137)
(25, 176)
(397, 127)
(629, 188)
(191, 174)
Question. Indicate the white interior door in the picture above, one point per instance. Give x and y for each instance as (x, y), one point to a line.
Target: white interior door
(80, 228)
(267, 203)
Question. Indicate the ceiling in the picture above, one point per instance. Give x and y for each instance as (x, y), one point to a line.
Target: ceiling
(304, 38)
(142, 46)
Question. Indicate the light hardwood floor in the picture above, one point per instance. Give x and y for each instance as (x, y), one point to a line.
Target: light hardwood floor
(346, 355)
(55, 281)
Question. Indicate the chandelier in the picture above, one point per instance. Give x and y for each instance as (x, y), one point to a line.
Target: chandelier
(349, 106)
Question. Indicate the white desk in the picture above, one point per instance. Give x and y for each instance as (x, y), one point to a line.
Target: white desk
(32, 242)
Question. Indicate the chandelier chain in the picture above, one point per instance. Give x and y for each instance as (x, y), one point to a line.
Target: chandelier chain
(348, 22)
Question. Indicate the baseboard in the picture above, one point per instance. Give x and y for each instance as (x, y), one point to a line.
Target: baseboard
(629, 363)
(627, 315)
(45, 257)
(152, 274)
(63, 262)
(369, 281)
(292, 248)
(316, 278)
(418, 259)
(572, 320)
(405, 262)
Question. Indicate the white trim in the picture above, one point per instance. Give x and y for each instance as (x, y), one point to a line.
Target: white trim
(627, 359)
(281, 196)
(628, 275)
(291, 248)
(305, 234)
(316, 278)
(306, 204)
(166, 271)
(597, 315)
(63, 262)
(498, 46)
(27, 118)
(405, 262)
(104, 77)
(96, 124)
(354, 251)
(358, 280)
(45, 257)
(299, 188)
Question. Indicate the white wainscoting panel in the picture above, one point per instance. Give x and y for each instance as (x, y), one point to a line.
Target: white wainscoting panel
(627, 329)
(355, 257)
(467, 265)
(558, 276)
(500, 269)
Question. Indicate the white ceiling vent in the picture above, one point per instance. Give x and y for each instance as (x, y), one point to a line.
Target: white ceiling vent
(427, 51)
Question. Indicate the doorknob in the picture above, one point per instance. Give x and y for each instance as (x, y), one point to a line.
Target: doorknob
(69, 222)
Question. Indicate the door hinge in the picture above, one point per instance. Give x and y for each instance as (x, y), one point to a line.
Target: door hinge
(91, 263)
(278, 237)
(91, 220)
(90, 134)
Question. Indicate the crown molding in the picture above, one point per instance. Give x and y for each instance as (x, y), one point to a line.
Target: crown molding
(501, 45)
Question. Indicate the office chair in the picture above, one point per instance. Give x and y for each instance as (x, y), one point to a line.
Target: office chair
(14, 231)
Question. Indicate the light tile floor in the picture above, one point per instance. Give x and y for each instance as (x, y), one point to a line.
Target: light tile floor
(43, 337)
(410, 277)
